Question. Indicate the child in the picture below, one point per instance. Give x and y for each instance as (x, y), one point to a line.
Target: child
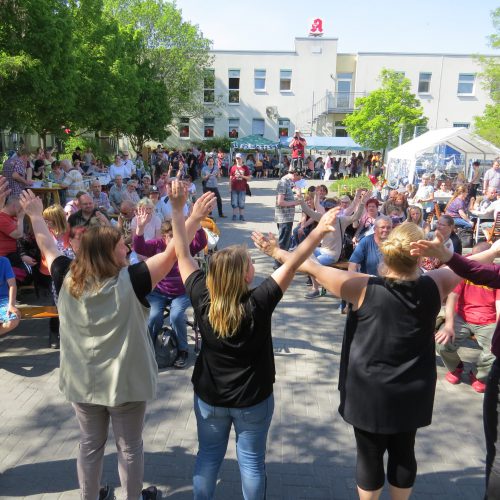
(9, 314)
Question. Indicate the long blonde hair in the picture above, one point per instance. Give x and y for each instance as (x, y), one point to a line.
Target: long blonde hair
(95, 260)
(55, 214)
(459, 191)
(227, 286)
(396, 248)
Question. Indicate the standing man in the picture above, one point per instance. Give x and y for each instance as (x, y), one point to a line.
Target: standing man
(492, 176)
(14, 170)
(284, 211)
(298, 146)
(425, 193)
(239, 176)
(72, 181)
(209, 175)
(470, 310)
(128, 165)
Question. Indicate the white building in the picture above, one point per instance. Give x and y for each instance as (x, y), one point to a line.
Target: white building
(273, 93)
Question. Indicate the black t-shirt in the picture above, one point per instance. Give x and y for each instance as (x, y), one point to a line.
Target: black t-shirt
(238, 371)
(139, 276)
(77, 219)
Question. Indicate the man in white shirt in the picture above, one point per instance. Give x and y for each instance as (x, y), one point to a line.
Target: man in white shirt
(425, 193)
(128, 164)
(164, 206)
(72, 181)
(492, 176)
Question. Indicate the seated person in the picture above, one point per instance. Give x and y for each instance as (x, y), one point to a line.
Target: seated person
(306, 224)
(100, 199)
(152, 229)
(127, 212)
(396, 215)
(130, 193)
(416, 215)
(457, 208)
(73, 205)
(38, 170)
(116, 194)
(88, 215)
(366, 224)
(445, 226)
(9, 314)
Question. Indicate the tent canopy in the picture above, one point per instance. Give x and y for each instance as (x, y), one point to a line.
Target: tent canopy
(251, 142)
(332, 143)
(445, 148)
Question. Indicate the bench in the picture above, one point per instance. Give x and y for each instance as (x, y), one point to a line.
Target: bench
(38, 312)
(343, 265)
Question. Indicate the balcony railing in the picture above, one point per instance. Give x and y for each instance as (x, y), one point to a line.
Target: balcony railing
(342, 102)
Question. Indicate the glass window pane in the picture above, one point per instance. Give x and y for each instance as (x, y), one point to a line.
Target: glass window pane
(344, 76)
(466, 77)
(234, 83)
(260, 84)
(286, 73)
(258, 126)
(465, 88)
(234, 73)
(234, 96)
(260, 73)
(285, 84)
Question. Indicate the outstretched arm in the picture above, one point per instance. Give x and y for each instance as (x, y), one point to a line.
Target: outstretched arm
(33, 207)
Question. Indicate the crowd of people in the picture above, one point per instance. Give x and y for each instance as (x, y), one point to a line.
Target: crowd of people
(115, 255)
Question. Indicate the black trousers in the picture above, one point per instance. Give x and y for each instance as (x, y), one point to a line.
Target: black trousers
(491, 410)
(401, 463)
(219, 199)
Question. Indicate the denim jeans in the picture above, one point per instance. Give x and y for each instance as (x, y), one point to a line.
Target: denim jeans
(459, 222)
(177, 317)
(238, 199)
(251, 426)
(284, 236)
(325, 259)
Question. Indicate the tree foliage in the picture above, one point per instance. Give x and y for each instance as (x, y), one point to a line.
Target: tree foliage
(121, 67)
(377, 120)
(488, 125)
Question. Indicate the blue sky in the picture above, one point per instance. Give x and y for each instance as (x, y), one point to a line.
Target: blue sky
(435, 26)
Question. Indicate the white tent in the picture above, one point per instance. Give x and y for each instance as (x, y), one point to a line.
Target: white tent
(445, 149)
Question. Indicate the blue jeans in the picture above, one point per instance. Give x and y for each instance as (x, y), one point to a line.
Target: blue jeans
(284, 236)
(251, 426)
(324, 259)
(459, 222)
(177, 317)
(238, 199)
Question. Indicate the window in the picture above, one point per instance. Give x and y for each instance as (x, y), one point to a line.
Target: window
(424, 83)
(234, 127)
(234, 86)
(184, 126)
(208, 126)
(259, 79)
(461, 124)
(209, 85)
(283, 126)
(258, 126)
(340, 130)
(285, 80)
(466, 83)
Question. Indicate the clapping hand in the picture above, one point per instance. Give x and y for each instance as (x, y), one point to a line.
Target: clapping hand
(143, 217)
(266, 244)
(4, 190)
(203, 206)
(31, 204)
(445, 335)
(179, 195)
(434, 248)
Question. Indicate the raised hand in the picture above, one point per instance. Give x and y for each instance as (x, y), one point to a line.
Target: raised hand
(143, 217)
(434, 248)
(179, 194)
(203, 206)
(327, 221)
(265, 244)
(31, 204)
(4, 190)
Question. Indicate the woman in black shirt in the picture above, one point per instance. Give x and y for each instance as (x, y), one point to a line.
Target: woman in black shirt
(234, 373)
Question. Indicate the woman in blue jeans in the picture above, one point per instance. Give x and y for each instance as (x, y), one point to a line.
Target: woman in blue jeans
(234, 374)
(457, 208)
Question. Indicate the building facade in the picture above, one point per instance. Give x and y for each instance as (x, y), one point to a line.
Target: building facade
(314, 87)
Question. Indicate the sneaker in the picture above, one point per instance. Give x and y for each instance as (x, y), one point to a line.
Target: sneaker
(150, 493)
(105, 493)
(234, 217)
(476, 384)
(222, 216)
(182, 359)
(309, 281)
(455, 376)
(242, 218)
(312, 294)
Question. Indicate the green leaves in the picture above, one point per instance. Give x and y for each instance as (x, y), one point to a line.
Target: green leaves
(377, 120)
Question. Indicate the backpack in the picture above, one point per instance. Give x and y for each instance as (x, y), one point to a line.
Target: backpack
(166, 348)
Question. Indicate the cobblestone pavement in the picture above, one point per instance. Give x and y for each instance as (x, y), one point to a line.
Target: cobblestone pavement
(311, 453)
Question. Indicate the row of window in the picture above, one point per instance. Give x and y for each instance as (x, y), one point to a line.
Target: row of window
(465, 85)
(234, 83)
(233, 127)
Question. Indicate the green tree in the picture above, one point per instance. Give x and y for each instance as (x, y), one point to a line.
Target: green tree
(37, 74)
(488, 125)
(379, 117)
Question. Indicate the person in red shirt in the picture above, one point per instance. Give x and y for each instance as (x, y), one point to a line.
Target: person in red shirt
(239, 176)
(298, 145)
(470, 310)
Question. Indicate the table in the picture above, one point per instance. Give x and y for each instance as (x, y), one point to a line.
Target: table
(104, 179)
(483, 218)
(46, 193)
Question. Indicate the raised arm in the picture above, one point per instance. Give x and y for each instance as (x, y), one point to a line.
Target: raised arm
(33, 207)
(161, 264)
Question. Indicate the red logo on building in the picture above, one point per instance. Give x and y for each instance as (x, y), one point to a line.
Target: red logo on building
(316, 28)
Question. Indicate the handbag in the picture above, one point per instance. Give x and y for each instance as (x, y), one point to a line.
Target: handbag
(247, 190)
(166, 348)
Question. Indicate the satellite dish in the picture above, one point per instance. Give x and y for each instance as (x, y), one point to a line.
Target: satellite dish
(272, 112)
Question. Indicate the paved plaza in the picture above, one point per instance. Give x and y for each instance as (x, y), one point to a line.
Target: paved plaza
(311, 450)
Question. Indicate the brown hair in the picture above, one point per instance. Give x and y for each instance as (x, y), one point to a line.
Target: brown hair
(459, 191)
(95, 260)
